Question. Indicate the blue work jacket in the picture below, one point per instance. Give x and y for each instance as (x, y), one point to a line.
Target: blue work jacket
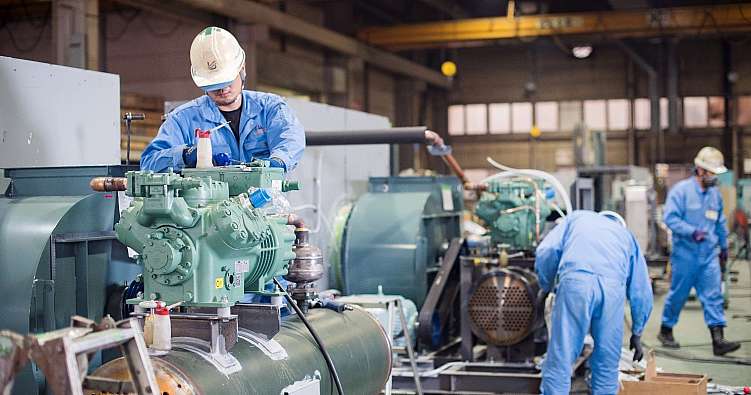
(586, 242)
(269, 129)
(689, 208)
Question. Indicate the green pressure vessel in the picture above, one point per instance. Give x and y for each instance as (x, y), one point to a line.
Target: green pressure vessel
(290, 363)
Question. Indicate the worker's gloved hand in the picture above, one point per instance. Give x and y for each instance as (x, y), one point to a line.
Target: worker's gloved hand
(190, 156)
(221, 159)
(276, 162)
(699, 235)
(635, 344)
(724, 255)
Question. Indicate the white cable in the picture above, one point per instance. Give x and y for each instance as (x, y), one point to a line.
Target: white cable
(532, 173)
(558, 209)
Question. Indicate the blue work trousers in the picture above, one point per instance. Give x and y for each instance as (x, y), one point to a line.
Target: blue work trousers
(585, 303)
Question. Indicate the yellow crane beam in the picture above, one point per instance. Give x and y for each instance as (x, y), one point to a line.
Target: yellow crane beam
(626, 23)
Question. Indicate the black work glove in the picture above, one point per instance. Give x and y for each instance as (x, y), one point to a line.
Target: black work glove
(190, 156)
(635, 344)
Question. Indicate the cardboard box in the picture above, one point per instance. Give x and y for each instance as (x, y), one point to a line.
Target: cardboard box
(655, 383)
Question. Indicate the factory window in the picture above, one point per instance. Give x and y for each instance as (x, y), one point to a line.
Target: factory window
(595, 114)
(521, 117)
(571, 115)
(499, 118)
(618, 114)
(546, 116)
(664, 112)
(642, 112)
(477, 118)
(744, 111)
(716, 111)
(695, 112)
(456, 120)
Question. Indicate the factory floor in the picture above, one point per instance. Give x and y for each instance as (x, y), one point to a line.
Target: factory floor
(692, 333)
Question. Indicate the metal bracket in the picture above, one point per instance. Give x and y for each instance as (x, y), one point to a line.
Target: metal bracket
(220, 332)
(264, 319)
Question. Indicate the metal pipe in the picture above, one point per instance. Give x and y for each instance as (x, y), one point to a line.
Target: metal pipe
(296, 220)
(401, 135)
(109, 184)
(654, 97)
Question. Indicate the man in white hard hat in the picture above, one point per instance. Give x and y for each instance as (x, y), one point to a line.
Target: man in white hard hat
(261, 125)
(693, 212)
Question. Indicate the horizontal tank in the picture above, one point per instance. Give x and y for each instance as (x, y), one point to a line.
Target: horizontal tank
(290, 363)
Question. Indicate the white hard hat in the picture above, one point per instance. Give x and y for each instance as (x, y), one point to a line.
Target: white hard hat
(614, 216)
(216, 58)
(711, 159)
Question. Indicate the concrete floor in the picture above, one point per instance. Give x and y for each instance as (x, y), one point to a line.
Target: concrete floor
(692, 333)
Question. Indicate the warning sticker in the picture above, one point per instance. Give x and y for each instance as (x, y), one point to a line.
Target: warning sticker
(219, 282)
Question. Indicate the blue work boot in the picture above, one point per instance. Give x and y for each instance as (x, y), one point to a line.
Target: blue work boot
(666, 338)
(720, 346)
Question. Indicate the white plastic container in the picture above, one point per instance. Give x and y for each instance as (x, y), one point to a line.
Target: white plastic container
(162, 330)
(205, 155)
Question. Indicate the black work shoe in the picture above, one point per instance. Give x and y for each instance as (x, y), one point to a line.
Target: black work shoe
(720, 346)
(666, 338)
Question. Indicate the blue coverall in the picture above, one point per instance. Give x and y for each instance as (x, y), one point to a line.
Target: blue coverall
(599, 264)
(269, 129)
(695, 264)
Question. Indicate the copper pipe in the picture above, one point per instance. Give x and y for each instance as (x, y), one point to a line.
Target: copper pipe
(459, 172)
(296, 220)
(109, 184)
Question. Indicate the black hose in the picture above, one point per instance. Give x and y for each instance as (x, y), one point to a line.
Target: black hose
(326, 356)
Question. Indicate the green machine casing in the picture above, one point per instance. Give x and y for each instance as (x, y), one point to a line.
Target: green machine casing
(508, 209)
(396, 233)
(200, 239)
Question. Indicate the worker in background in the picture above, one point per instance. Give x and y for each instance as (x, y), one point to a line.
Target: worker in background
(598, 264)
(693, 212)
(261, 125)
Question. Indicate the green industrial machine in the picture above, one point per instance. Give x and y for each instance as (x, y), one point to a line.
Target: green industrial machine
(58, 253)
(514, 210)
(200, 237)
(204, 241)
(397, 233)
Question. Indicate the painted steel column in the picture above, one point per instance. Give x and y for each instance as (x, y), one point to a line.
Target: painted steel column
(70, 26)
(727, 92)
(654, 100)
(407, 101)
(673, 101)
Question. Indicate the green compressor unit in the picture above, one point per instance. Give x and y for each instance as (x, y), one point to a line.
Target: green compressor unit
(201, 238)
(514, 210)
